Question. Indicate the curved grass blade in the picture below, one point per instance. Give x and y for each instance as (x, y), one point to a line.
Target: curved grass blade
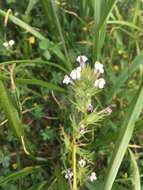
(135, 172)
(125, 23)
(19, 174)
(10, 111)
(41, 83)
(36, 82)
(124, 137)
(29, 61)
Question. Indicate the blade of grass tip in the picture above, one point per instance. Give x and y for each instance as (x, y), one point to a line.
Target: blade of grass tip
(135, 172)
(19, 174)
(60, 32)
(124, 137)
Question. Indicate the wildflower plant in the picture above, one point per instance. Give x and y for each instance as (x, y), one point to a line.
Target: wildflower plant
(84, 84)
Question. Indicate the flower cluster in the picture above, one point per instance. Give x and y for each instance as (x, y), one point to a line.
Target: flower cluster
(69, 174)
(76, 73)
(86, 83)
(82, 163)
(9, 44)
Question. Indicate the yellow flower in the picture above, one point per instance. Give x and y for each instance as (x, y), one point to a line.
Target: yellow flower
(14, 166)
(32, 40)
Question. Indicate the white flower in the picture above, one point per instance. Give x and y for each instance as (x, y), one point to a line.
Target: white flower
(11, 42)
(100, 83)
(98, 67)
(93, 177)
(78, 71)
(82, 60)
(5, 44)
(75, 74)
(82, 163)
(68, 174)
(67, 79)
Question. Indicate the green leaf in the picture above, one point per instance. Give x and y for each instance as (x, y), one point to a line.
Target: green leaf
(124, 137)
(19, 174)
(135, 172)
(44, 44)
(10, 111)
(36, 82)
(29, 62)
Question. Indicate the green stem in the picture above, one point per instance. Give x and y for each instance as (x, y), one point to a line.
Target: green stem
(74, 165)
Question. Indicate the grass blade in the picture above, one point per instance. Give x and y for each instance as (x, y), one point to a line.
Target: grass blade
(60, 31)
(125, 23)
(36, 82)
(106, 12)
(10, 111)
(19, 174)
(135, 172)
(124, 138)
(29, 61)
(30, 6)
(102, 10)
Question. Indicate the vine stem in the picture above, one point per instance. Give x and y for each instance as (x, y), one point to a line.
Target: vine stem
(74, 165)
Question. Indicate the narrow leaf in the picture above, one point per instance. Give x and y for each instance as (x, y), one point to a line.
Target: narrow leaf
(124, 138)
(135, 172)
(10, 111)
(19, 174)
